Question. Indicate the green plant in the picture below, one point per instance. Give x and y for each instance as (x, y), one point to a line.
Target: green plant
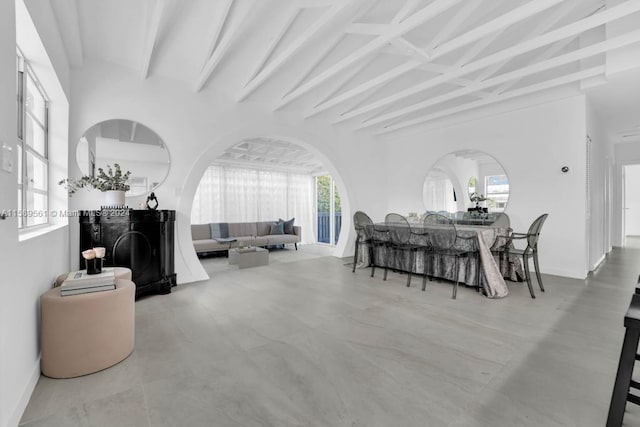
(112, 179)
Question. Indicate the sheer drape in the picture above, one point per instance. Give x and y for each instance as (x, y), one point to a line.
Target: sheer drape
(438, 192)
(242, 195)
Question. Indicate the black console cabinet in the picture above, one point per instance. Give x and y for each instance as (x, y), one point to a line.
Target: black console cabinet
(141, 240)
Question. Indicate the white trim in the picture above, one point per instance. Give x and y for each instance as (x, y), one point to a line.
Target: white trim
(571, 273)
(598, 262)
(15, 417)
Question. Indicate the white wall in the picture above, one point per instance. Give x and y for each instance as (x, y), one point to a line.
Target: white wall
(28, 266)
(197, 127)
(532, 144)
(632, 200)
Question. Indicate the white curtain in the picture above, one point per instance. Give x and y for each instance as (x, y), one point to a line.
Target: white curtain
(438, 192)
(227, 194)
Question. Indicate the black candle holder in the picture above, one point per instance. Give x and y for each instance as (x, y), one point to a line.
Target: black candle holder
(94, 266)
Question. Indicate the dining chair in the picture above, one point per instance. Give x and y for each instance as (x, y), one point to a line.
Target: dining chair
(378, 240)
(531, 251)
(445, 241)
(361, 222)
(400, 240)
(501, 220)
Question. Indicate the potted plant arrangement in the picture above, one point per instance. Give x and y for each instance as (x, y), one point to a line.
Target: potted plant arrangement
(113, 182)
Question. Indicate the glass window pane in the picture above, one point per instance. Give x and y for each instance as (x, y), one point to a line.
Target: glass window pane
(19, 164)
(323, 201)
(20, 224)
(36, 209)
(36, 172)
(34, 101)
(338, 214)
(34, 136)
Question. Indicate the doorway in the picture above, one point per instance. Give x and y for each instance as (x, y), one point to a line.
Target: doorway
(631, 206)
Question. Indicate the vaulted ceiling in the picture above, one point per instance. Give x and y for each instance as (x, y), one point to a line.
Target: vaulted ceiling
(378, 65)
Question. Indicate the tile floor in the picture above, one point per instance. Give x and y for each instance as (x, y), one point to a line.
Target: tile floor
(304, 342)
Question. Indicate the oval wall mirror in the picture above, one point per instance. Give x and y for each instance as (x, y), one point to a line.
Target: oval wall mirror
(133, 146)
(466, 180)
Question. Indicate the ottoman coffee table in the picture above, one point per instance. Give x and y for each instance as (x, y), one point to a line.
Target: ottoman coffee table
(246, 258)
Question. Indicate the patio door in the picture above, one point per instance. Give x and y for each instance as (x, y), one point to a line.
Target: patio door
(328, 210)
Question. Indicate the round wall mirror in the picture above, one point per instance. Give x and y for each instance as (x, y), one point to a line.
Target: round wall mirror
(135, 147)
(466, 180)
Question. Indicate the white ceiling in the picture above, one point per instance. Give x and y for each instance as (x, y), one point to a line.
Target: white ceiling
(265, 153)
(379, 65)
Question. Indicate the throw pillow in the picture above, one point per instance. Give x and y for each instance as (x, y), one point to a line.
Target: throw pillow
(219, 230)
(288, 225)
(277, 228)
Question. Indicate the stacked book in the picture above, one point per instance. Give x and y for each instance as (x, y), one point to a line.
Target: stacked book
(79, 282)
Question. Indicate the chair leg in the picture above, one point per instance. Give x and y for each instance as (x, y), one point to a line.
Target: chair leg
(478, 272)
(296, 245)
(527, 273)
(455, 287)
(355, 257)
(384, 277)
(537, 266)
(411, 261)
(373, 261)
(426, 271)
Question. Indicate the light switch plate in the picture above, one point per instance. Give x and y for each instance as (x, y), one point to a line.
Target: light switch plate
(7, 158)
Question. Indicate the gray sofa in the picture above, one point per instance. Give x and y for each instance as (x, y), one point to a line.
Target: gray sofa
(240, 234)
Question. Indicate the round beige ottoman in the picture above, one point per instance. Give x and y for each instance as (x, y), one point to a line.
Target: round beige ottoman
(86, 333)
(120, 273)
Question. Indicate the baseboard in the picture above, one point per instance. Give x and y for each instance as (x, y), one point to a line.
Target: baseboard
(573, 274)
(14, 420)
(598, 262)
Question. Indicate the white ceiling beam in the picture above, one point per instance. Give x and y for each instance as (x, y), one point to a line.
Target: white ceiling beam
(521, 13)
(536, 67)
(406, 10)
(313, 66)
(402, 42)
(541, 28)
(323, 22)
(386, 77)
(432, 10)
(221, 49)
(367, 29)
(555, 48)
(369, 84)
(307, 4)
(570, 78)
(348, 76)
(66, 13)
(477, 48)
(215, 29)
(290, 16)
(569, 30)
(155, 8)
(454, 24)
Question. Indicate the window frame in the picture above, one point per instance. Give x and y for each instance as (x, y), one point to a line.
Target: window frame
(24, 72)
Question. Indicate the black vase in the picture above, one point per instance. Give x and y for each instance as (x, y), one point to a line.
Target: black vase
(94, 266)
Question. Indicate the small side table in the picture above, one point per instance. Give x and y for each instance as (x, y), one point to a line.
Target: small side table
(85, 333)
(249, 259)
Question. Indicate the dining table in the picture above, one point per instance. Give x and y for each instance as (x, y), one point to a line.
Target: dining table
(471, 237)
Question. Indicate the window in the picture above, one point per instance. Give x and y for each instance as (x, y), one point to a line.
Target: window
(33, 156)
(497, 192)
(329, 210)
